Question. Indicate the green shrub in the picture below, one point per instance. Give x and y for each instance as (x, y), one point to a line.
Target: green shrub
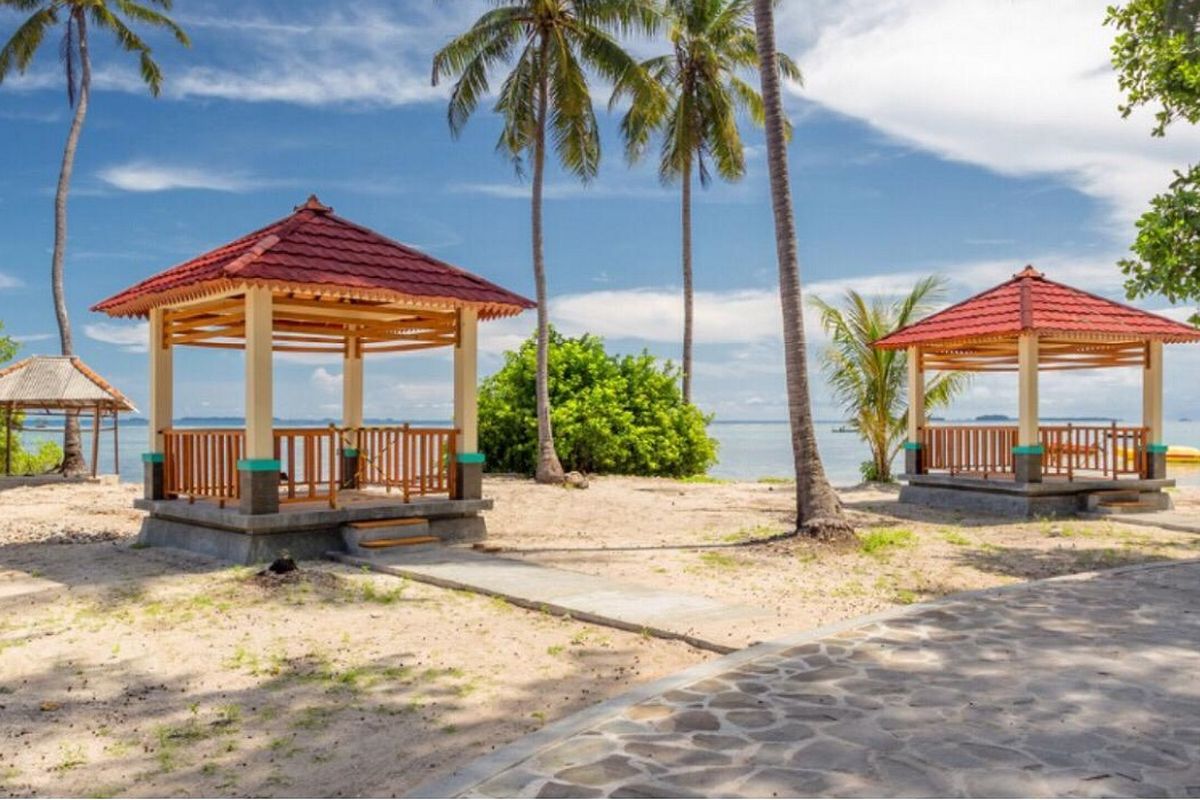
(47, 456)
(611, 414)
(880, 540)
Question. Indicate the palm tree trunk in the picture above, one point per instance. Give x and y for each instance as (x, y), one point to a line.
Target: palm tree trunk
(72, 443)
(818, 511)
(688, 301)
(549, 468)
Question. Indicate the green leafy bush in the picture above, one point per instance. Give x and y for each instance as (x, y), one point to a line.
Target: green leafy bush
(611, 414)
(47, 456)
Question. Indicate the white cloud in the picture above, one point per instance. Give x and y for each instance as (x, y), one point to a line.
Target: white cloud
(25, 338)
(132, 338)
(325, 380)
(1021, 87)
(147, 176)
(10, 281)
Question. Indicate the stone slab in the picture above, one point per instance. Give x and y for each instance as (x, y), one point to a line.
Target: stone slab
(1181, 521)
(1075, 686)
(628, 606)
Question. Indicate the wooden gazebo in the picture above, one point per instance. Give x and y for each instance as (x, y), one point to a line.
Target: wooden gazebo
(1026, 325)
(61, 385)
(312, 282)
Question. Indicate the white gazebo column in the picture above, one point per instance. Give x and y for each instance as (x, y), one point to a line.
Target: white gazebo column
(914, 461)
(468, 461)
(259, 468)
(352, 410)
(160, 411)
(1027, 455)
(1152, 411)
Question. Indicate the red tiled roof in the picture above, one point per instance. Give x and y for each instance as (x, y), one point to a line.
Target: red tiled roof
(1031, 302)
(315, 251)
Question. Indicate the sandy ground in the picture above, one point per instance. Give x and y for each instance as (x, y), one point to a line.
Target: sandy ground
(128, 671)
(156, 673)
(700, 537)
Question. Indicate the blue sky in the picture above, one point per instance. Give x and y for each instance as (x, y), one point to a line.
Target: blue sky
(964, 137)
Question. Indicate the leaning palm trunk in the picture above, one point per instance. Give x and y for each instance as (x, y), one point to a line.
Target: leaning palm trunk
(72, 444)
(686, 212)
(549, 468)
(818, 512)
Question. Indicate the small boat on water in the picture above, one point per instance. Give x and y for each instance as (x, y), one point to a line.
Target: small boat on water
(843, 429)
(1178, 454)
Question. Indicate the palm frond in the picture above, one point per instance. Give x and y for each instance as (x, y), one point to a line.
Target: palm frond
(21, 47)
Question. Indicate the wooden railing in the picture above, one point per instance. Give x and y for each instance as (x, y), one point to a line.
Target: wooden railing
(1108, 449)
(308, 464)
(984, 450)
(202, 462)
(977, 449)
(415, 461)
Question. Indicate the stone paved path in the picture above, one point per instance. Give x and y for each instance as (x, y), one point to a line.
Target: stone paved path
(1183, 521)
(702, 621)
(1071, 687)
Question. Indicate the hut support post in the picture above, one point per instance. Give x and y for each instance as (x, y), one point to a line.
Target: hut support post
(96, 440)
(468, 461)
(116, 445)
(162, 382)
(914, 463)
(1027, 455)
(1155, 465)
(8, 440)
(259, 468)
(352, 410)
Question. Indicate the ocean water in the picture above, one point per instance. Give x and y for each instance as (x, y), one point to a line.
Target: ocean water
(748, 451)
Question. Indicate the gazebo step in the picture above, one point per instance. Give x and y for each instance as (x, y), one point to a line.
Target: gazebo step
(1127, 502)
(367, 536)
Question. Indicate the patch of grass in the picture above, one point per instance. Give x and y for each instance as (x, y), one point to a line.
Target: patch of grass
(555, 649)
(702, 479)
(776, 480)
(879, 541)
(500, 604)
(370, 592)
(314, 718)
(70, 757)
(718, 560)
(955, 538)
(852, 588)
(905, 597)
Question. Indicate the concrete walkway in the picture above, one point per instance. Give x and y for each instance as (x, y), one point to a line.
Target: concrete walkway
(1081, 686)
(1182, 521)
(700, 621)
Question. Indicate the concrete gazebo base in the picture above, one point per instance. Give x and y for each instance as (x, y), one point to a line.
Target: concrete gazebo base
(1046, 498)
(301, 530)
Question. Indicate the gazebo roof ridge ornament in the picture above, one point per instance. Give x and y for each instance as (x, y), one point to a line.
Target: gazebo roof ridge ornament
(313, 204)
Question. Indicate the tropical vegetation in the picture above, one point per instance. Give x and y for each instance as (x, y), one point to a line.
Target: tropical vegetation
(76, 18)
(612, 414)
(818, 510)
(551, 47)
(712, 47)
(1157, 57)
(871, 384)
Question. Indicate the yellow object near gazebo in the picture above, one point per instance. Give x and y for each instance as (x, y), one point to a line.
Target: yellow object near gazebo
(310, 283)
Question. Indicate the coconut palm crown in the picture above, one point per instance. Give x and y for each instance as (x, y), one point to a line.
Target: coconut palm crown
(712, 47)
(870, 384)
(550, 47)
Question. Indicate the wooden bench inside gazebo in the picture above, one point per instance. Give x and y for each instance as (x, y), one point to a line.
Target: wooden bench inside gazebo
(314, 283)
(1029, 325)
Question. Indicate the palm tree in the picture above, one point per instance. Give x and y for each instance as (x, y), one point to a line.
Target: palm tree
(871, 384)
(818, 511)
(554, 43)
(75, 16)
(713, 44)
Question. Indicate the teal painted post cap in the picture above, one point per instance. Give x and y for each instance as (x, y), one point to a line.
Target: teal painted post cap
(469, 458)
(912, 445)
(1156, 448)
(258, 465)
(153, 458)
(350, 451)
(1028, 450)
